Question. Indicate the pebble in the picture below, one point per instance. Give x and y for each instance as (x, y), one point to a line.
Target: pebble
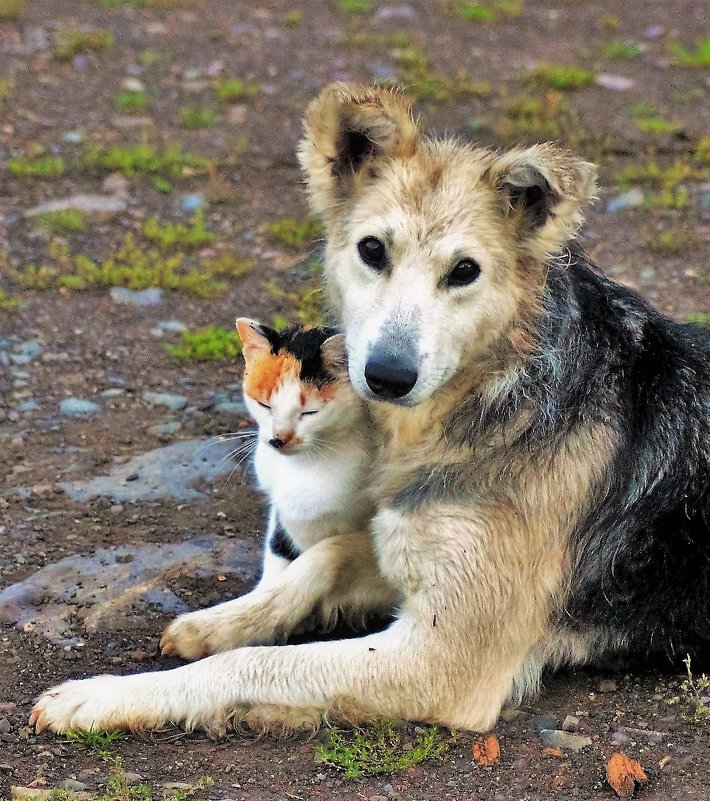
(132, 85)
(396, 12)
(564, 740)
(26, 352)
(570, 723)
(132, 778)
(231, 407)
(78, 407)
(626, 200)
(27, 405)
(616, 82)
(5, 726)
(73, 137)
(164, 430)
(540, 722)
(191, 203)
(705, 197)
(115, 184)
(73, 786)
(114, 392)
(391, 792)
(172, 401)
(377, 798)
(175, 326)
(89, 204)
(133, 297)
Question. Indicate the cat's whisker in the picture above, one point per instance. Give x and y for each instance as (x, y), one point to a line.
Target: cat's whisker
(245, 448)
(220, 438)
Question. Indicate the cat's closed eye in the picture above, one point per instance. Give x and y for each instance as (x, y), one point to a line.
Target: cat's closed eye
(264, 405)
(305, 414)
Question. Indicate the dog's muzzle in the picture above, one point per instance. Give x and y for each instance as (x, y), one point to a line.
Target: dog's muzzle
(388, 379)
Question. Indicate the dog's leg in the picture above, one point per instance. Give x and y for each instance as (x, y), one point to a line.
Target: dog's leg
(338, 573)
(476, 602)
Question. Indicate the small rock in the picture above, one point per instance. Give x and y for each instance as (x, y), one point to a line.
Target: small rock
(231, 407)
(191, 203)
(570, 723)
(626, 200)
(133, 297)
(607, 686)
(540, 722)
(564, 740)
(78, 407)
(616, 82)
(74, 137)
(174, 326)
(132, 85)
(132, 778)
(395, 12)
(73, 786)
(115, 184)
(391, 792)
(89, 204)
(654, 32)
(29, 350)
(172, 401)
(28, 405)
(9, 738)
(5, 726)
(114, 392)
(165, 430)
(377, 798)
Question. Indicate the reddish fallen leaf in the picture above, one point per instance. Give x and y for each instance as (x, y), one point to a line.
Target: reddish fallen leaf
(623, 774)
(551, 751)
(486, 750)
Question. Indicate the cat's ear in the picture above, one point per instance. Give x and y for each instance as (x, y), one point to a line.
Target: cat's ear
(334, 356)
(254, 339)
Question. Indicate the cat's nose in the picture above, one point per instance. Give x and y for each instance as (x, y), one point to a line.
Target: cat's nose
(276, 443)
(281, 439)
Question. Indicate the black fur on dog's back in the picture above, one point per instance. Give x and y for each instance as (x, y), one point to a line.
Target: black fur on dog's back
(642, 555)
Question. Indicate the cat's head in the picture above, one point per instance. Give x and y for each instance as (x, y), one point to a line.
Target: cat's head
(295, 384)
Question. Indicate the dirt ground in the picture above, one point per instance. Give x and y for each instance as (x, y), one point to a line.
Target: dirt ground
(86, 343)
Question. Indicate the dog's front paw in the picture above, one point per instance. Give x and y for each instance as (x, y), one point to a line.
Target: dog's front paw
(191, 636)
(99, 704)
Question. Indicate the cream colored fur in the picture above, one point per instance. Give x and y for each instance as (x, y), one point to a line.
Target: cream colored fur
(481, 578)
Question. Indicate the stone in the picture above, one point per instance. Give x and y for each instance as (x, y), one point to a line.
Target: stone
(169, 399)
(191, 203)
(570, 723)
(564, 740)
(28, 405)
(89, 204)
(133, 297)
(26, 352)
(73, 786)
(132, 85)
(174, 326)
(78, 407)
(540, 722)
(165, 430)
(231, 407)
(616, 82)
(5, 726)
(114, 392)
(626, 200)
(116, 184)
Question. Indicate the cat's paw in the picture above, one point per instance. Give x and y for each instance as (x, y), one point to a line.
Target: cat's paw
(98, 704)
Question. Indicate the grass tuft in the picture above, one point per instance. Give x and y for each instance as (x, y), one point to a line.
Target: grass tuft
(696, 688)
(170, 235)
(131, 102)
(489, 12)
(209, 344)
(131, 160)
(195, 118)
(100, 743)
(559, 77)
(63, 222)
(37, 167)
(10, 10)
(699, 58)
(354, 6)
(675, 240)
(10, 303)
(294, 233)
(230, 90)
(620, 49)
(70, 42)
(377, 749)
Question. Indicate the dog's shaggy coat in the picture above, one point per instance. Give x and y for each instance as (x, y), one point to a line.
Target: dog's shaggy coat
(543, 490)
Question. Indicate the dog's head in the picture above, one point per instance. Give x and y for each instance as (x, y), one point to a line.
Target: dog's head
(436, 249)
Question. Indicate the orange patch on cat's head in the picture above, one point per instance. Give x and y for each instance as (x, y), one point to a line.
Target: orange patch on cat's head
(267, 371)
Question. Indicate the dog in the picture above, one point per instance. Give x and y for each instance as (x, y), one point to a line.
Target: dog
(544, 466)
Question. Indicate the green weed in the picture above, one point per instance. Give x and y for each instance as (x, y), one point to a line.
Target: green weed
(170, 235)
(354, 6)
(700, 318)
(294, 233)
(131, 160)
(100, 743)
(10, 10)
(559, 77)
(674, 199)
(619, 49)
(230, 90)
(37, 167)
(658, 126)
(149, 58)
(10, 303)
(702, 151)
(377, 749)
(195, 118)
(131, 102)
(209, 344)
(70, 42)
(63, 222)
(643, 110)
(489, 12)
(698, 58)
(308, 301)
(695, 688)
(5, 90)
(425, 83)
(293, 18)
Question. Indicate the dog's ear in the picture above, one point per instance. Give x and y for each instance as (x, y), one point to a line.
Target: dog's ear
(543, 189)
(254, 339)
(348, 128)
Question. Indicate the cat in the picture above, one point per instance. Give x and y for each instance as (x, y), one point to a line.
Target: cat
(313, 459)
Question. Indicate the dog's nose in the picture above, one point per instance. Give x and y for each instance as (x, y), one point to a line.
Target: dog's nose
(389, 381)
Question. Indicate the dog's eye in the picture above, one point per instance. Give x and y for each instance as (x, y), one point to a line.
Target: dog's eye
(372, 252)
(465, 272)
